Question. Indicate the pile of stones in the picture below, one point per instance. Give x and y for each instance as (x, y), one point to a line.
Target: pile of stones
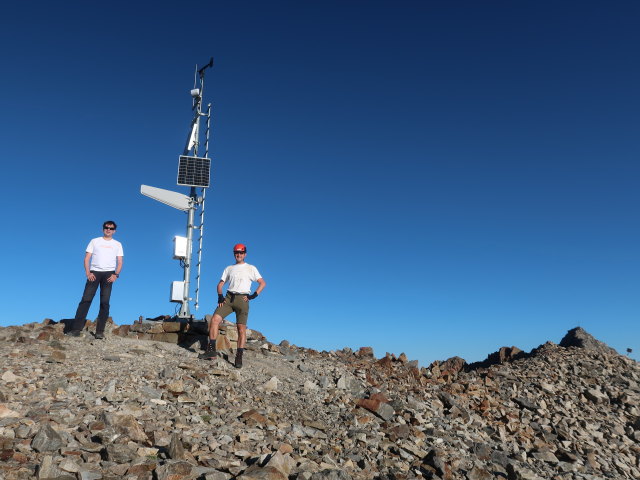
(141, 405)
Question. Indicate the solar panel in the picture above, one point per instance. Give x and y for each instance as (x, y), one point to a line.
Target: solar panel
(194, 171)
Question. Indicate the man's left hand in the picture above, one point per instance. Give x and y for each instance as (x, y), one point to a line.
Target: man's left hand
(250, 297)
(112, 278)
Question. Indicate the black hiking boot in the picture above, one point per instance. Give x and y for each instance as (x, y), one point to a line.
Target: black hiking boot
(74, 333)
(210, 352)
(99, 336)
(238, 363)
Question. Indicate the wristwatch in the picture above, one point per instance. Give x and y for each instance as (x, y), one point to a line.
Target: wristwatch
(116, 274)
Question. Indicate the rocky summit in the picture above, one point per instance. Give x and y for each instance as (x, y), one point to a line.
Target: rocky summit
(141, 405)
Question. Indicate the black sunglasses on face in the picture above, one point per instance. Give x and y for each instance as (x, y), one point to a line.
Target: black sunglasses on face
(109, 228)
(239, 253)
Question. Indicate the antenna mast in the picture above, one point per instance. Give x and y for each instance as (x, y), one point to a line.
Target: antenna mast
(193, 171)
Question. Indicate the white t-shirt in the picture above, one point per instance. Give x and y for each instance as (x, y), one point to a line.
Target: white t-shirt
(104, 253)
(240, 277)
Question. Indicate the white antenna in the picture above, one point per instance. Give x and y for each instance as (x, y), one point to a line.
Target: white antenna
(173, 199)
(193, 171)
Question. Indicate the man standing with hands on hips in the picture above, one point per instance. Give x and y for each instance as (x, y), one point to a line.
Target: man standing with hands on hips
(239, 277)
(102, 265)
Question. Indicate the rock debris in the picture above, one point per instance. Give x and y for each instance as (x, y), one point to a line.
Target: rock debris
(141, 405)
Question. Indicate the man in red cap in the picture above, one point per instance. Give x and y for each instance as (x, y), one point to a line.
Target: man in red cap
(239, 277)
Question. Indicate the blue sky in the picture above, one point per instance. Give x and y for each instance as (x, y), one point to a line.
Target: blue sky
(435, 178)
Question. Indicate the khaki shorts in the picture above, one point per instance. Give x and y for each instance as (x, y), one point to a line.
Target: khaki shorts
(234, 303)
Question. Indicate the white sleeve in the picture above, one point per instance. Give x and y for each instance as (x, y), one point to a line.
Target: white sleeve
(225, 275)
(120, 252)
(255, 275)
(90, 247)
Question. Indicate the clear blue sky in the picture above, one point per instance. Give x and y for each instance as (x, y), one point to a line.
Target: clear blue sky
(435, 178)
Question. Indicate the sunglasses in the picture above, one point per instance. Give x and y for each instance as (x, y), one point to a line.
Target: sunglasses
(109, 228)
(239, 253)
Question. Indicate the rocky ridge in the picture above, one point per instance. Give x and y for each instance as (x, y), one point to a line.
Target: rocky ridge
(138, 407)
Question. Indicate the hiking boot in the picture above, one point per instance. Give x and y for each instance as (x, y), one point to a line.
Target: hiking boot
(238, 363)
(75, 333)
(210, 352)
(99, 336)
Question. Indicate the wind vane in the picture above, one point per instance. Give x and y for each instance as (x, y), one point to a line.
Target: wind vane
(194, 172)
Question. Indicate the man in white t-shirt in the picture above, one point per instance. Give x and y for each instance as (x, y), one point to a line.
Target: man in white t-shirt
(239, 277)
(102, 265)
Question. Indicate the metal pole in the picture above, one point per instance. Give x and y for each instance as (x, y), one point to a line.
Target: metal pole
(184, 310)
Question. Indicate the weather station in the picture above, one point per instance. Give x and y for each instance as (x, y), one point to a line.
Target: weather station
(194, 172)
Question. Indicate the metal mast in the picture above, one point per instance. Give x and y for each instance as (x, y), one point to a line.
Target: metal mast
(193, 171)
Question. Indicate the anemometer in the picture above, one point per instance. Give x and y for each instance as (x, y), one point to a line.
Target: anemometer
(194, 172)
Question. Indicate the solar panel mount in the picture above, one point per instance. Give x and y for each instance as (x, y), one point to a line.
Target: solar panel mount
(194, 171)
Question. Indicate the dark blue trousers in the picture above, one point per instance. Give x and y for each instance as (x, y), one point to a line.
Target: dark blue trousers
(90, 290)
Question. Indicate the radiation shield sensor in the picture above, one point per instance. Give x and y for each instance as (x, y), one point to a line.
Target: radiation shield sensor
(179, 247)
(177, 292)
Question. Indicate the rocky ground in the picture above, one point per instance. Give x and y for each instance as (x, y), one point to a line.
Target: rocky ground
(141, 405)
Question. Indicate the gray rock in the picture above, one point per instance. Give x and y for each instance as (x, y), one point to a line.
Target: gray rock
(89, 475)
(545, 456)
(46, 440)
(517, 472)
(119, 453)
(596, 396)
(526, 403)
(176, 450)
(329, 474)
(578, 337)
(262, 473)
(478, 473)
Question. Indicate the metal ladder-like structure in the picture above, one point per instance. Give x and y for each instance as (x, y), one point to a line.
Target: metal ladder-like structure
(198, 93)
(203, 197)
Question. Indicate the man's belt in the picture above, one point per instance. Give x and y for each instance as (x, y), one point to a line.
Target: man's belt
(233, 295)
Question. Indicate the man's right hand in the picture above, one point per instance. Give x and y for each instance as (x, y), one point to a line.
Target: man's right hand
(91, 277)
(220, 299)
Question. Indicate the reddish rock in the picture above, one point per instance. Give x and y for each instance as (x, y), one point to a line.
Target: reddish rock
(46, 336)
(381, 397)
(366, 352)
(398, 432)
(141, 468)
(385, 363)
(267, 473)
(6, 454)
(252, 418)
(20, 457)
(285, 448)
(377, 405)
(452, 365)
(121, 331)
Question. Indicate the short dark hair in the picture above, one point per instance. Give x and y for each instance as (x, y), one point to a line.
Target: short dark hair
(110, 222)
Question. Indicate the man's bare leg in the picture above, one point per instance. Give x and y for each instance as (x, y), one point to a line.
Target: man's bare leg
(242, 335)
(214, 329)
(242, 341)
